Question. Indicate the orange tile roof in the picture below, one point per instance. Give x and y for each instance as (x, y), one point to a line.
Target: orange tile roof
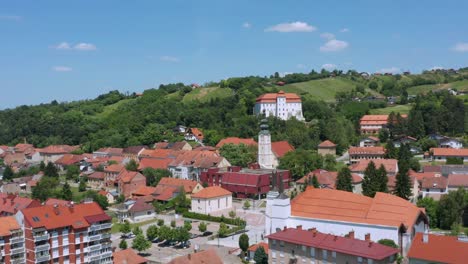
(144, 190)
(115, 168)
(58, 149)
(421, 175)
(111, 151)
(154, 163)
(10, 204)
(327, 144)
(280, 148)
(458, 180)
(8, 224)
(197, 159)
(208, 256)
(52, 217)
(449, 152)
(128, 256)
(374, 138)
(366, 150)
(212, 192)
(384, 209)
(236, 141)
(390, 165)
(272, 97)
(69, 159)
(254, 247)
(326, 178)
(197, 133)
(23, 147)
(127, 176)
(440, 249)
(437, 182)
(52, 201)
(159, 153)
(165, 193)
(97, 175)
(176, 183)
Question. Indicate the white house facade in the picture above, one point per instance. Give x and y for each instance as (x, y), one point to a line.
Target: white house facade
(211, 199)
(281, 105)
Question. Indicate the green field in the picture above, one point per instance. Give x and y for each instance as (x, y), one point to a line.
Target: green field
(402, 109)
(205, 94)
(111, 108)
(423, 89)
(323, 89)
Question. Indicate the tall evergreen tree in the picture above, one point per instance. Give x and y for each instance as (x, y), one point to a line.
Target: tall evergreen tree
(404, 156)
(369, 186)
(344, 180)
(315, 182)
(8, 173)
(403, 182)
(390, 151)
(66, 192)
(416, 129)
(382, 179)
(50, 170)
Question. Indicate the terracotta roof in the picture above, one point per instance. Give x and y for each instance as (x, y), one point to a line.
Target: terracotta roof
(374, 138)
(236, 141)
(208, 256)
(11, 158)
(114, 168)
(97, 175)
(344, 245)
(333, 205)
(128, 256)
(58, 149)
(140, 206)
(52, 201)
(374, 120)
(197, 133)
(440, 249)
(422, 175)
(133, 149)
(111, 151)
(103, 192)
(366, 150)
(52, 217)
(144, 190)
(154, 163)
(69, 159)
(8, 224)
(327, 144)
(390, 165)
(118, 159)
(326, 178)
(439, 182)
(431, 168)
(11, 204)
(176, 183)
(280, 148)
(127, 176)
(159, 153)
(212, 192)
(165, 193)
(272, 97)
(458, 180)
(197, 159)
(23, 147)
(449, 152)
(254, 247)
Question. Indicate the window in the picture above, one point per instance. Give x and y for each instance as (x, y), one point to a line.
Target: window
(273, 242)
(334, 254)
(273, 254)
(304, 248)
(370, 261)
(312, 252)
(281, 243)
(359, 259)
(325, 254)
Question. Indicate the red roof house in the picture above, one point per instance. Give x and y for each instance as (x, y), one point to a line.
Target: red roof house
(432, 248)
(236, 141)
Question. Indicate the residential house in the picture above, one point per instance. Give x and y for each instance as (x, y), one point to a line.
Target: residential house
(365, 153)
(179, 129)
(372, 124)
(68, 160)
(194, 134)
(159, 154)
(144, 191)
(54, 152)
(190, 164)
(74, 233)
(132, 152)
(447, 142)
(211, 199)
(11, 204)
(441, 154)
(96, 180)
(456, 181)
(236, 141)
(130, 181)
(154, 163)
(135, 211)
(4, 149)
(297, 245)
(327, 179)
(251, 250)
(369, 141)
(406, 140)
(11, 241)
(176, 146)
(326, 147)
(108, 152)
(279, 149)
(128, 256)
(10, 188)
(112, 172)
(433, 248)
(23, 148)
(434, 187)
(384, 216)
(167, 188)
(208, 256)
(111, 196)
(391, 166)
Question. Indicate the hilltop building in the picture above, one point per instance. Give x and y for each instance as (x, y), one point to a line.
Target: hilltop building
(281, 105)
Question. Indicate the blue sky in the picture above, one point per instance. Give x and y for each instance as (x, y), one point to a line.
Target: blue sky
(68, 50)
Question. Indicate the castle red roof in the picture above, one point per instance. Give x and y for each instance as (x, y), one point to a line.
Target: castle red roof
(272, 97)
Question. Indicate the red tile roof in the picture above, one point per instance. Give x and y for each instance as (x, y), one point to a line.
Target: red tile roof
(197, 159)
(390, 165)
(97, 175)
(23, 147)
(133, 149)
(458, 180)
(140, 206)
(440, 249)
(374, 138)
(58, 149)
(254, 247)
(114, 168)
(197, 133)
(344, 245)
(333, 205)
(144, 190)
(69, 159)
(111, 151)
(127, 176)
(366, 150)
(431, 168)
(8, 224)
(11, 204)
(326, 178)
(154, 163)
(374, 120)
(439, 182)
(128, 256)
(449, 152)
(421, 175)
(212, 192)
(280, 148)
(159, 153)
(327, 144)
(208, 256)
(52, 201)
(52, 217)
(236, 141)
(272, 97)
(165, 193)
(177, 183)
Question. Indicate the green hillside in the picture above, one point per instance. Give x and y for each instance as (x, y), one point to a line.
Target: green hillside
(205, 94)
(402, 109)
(458, 85)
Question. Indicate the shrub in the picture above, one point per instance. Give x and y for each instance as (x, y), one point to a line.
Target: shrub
(230, 221)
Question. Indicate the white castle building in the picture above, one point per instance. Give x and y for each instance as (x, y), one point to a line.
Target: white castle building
(281, 105)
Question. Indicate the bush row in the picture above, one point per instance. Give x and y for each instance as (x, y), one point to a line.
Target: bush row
(220, 219)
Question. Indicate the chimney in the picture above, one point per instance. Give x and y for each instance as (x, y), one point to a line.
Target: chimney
(56, 209)
(299, 227)
(426, 237)
(367, 237)
(335, 238)
(351, 234)
(370, 244)
(284, 228)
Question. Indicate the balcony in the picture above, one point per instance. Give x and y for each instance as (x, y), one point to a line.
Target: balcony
(94, 258)
(17, 239)
(17, 261)
(94, 248)
(107, 254)
(100, 227)
(105, 236)
(44, 247)
(41, 237)
(14, 251)
(95, 237)
(42, 258)
(2, 242)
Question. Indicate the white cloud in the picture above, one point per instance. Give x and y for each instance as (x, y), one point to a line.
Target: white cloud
(291, 27)
(10, 17)
(392, 70)
(63, 46)
(327, 35)
(84, 46)
(461, 47)
(334, 45)
(344, 30)
(329, 66)
(62, 69)
(246, 25)
(169, 59)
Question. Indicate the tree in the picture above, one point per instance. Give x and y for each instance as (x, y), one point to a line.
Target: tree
(383, 135)
(120, 199)
(44, 189)
(329, 162)
(369, 182)
(246, 204)
(452, 207)
(300, 162)
(454, 161)
(390, 151)
(82, 186)
(152, 232)
(158, 207)
(140, 243)
(66, 192)
(373, 85)
(42, 165)
(223, 230)
(160, 222)
(232, 214)
(344, 180)
(431, 206)
(202, 227)
(260, 256)
(125, 227)
(315, 182)
(137, 231)
(173, 223)
(239, 155)
(382, 179)
(165, 233)
(244, 243)
(8, 173)
(73, 172)
(132, 165)
(153, 176)
(416, 129)
(50, 170)
(123, 244)
(403, 183)
(187, 225)
(181, 234)
(388, 242)
(100, 199)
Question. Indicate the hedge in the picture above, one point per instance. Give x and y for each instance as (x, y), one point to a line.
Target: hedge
(219, 219)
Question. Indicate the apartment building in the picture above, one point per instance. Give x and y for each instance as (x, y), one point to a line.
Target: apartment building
(11, 241)
(66, 234)
(367, 153)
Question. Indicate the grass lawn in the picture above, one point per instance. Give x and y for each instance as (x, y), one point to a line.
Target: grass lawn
(323, 89)
(77, 196)
(422, 89)
(111, 108)
(116, 226)
(206, 94)
(402, 109)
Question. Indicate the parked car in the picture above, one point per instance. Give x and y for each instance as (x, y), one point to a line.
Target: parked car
(128, 235)
(207, 233)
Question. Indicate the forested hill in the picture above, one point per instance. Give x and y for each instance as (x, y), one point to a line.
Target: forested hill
(223, 109)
